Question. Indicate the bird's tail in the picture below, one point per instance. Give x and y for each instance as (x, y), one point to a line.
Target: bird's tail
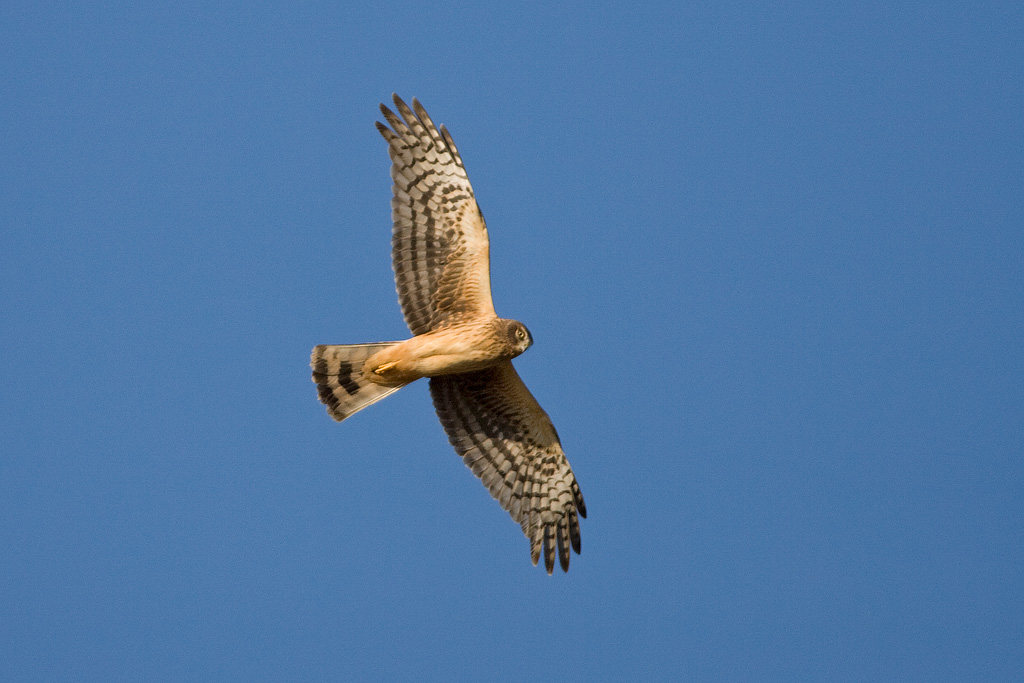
(338, 373)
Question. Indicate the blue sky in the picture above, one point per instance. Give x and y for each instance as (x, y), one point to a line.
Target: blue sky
(771, 258)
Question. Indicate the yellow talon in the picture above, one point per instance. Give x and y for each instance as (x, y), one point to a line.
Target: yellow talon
(384, 368)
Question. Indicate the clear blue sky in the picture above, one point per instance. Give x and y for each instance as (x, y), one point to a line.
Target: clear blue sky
(772, 257)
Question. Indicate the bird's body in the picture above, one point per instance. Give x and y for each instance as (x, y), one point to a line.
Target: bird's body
(440, 254)
(450, 350)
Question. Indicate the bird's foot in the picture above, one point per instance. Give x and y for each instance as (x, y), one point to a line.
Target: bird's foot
(381, 369)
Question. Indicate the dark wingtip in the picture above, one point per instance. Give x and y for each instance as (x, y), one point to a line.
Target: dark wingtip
(549, 551)
(577, 495)
(563, 551)
(574, 532)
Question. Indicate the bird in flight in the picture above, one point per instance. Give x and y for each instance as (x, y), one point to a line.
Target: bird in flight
(440, 255)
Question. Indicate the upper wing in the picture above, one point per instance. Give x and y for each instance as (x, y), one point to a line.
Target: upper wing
(508, 441)
(439, 248)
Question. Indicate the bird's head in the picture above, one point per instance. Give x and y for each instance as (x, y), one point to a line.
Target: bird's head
(519, 337)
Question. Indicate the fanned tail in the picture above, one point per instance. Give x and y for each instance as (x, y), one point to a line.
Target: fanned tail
(338, 373)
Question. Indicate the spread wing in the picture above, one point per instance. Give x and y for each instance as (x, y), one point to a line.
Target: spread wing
(507, 439)
(439, 247)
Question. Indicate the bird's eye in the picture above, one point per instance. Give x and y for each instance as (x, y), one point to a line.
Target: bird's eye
(521, 334)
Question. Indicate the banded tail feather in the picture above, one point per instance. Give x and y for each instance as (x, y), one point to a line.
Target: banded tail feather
(338, 373)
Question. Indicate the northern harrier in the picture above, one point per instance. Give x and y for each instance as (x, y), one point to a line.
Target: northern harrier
(442, 274)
